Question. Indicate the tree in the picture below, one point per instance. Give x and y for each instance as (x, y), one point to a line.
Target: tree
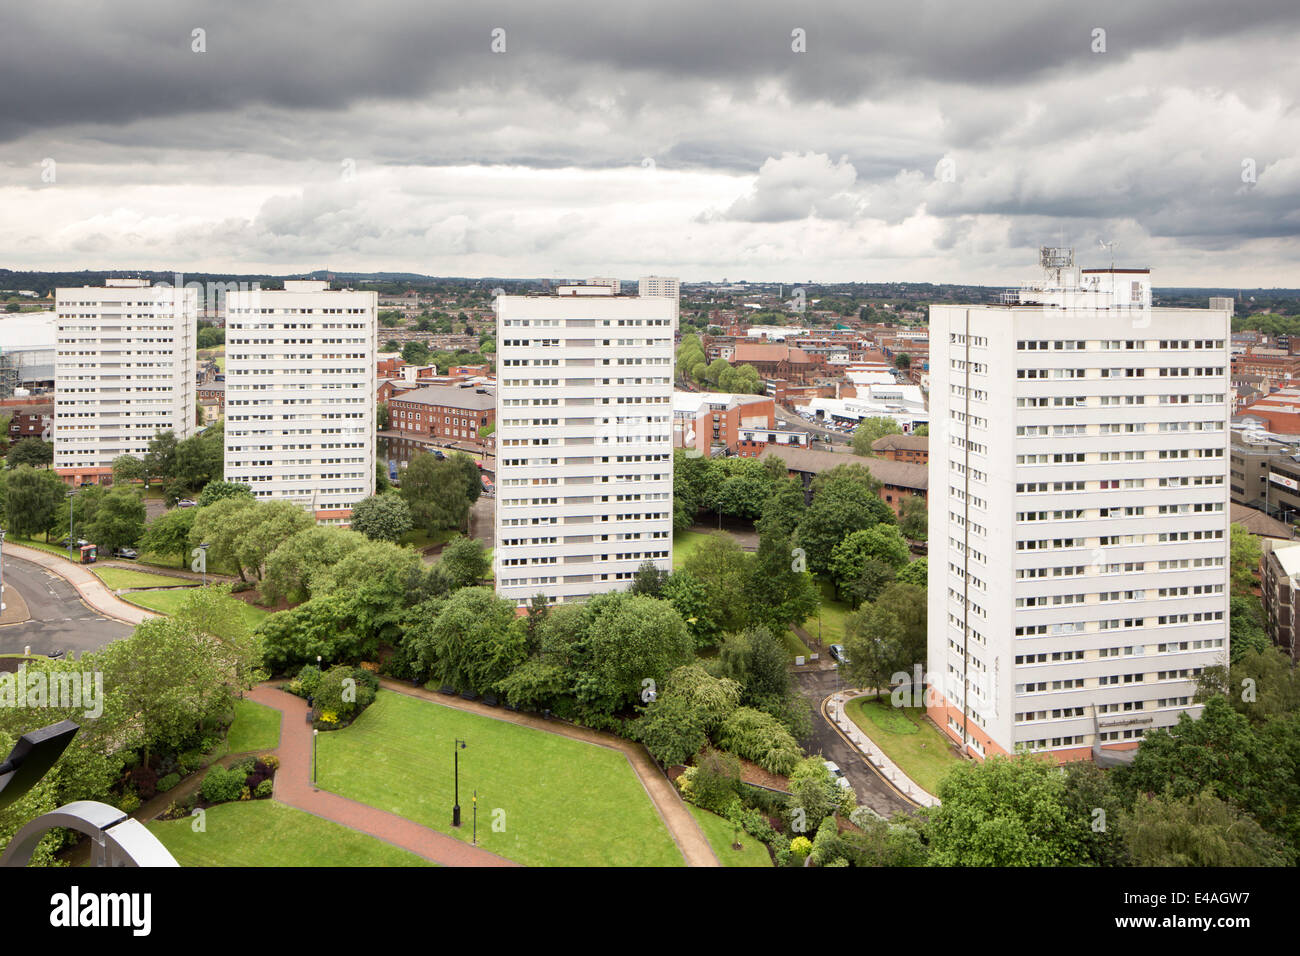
(381, 517)
(868, 430)
(199, 459)
(630, 639)
(1220, 752)
(887, 637)
(914, 518)
(473, 643)
(758, 661)
(672, 729)
(723, 569)
(119, 520)
(435, 492)
(127, 469)
(215, 491)
(649, 579)
(465, 561)
(915, 572)
(760, 737)
(160, 459)
(1246, 626)
(688, 595)
(30, 451)
(169, 533)
(1006, 811)
(1243, 560)
(381, 416)
(297, 562)
(1200, 830)
(903, 361)
(881, 543)
(779, 590)
(32, 500)
(871, 579)
(165, 675)
(415, 353)
(841, 507)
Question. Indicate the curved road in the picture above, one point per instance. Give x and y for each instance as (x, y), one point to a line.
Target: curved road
(872, 789)
(59, 619)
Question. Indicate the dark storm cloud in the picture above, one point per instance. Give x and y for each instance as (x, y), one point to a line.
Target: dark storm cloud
(62, 62)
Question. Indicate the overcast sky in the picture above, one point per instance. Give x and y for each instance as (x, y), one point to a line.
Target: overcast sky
(916, 141)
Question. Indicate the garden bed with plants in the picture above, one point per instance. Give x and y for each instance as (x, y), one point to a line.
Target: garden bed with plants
(249, 778)
(337, 696)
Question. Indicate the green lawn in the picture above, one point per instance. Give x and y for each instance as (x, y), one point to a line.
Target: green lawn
(684, 544)
(833, 613)
(795, 646)
(39, 546)
(421, 539)
(122, 578)
(166, 602)
(720, 833)
(256, 727)
(544, 800)
(919, 749)
(266, 833)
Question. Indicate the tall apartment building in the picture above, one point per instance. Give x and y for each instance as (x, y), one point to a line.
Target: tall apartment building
(1079, 513)
(662, 286)
(584, 441)
(300, 395)
(124, 371)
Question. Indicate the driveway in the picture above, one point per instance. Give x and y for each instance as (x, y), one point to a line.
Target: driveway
(59, 619)
(872, 790)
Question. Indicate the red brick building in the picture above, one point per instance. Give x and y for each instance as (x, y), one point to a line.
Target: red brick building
(911, 448)
(453, 412)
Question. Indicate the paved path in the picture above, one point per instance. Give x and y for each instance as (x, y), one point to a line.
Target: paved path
(663, 794)
(832, 709)
(293, 787)
(89, 588)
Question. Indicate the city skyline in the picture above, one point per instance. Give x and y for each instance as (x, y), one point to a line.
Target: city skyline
(896, 146)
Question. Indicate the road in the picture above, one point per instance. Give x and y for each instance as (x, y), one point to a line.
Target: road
(59, 619)
(836, 438)
(871, 788)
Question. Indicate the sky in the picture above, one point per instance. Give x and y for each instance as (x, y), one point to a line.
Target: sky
(796, 142)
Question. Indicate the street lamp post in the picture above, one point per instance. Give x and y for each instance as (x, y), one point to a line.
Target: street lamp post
(71, 542)
(457, 746)
(314, 734)
(475, 803)
(2, 570)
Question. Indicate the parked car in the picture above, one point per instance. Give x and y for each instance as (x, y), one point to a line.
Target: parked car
(128, 553)
(187, 503)
(837, 653)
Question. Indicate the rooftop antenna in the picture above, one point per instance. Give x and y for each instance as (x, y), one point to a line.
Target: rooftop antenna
(1108, 245)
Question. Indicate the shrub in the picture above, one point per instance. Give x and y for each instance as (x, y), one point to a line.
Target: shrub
(245, 794)
(264, 789)
(761, 738)
(145, 780)
(222, 785)
(715, 781)
(308, 680)
(189, 761)
(240, 587)
(129, 802)
(244, 765)
(800, 847)
(271, 760)
(344, 692)
(167, 782)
